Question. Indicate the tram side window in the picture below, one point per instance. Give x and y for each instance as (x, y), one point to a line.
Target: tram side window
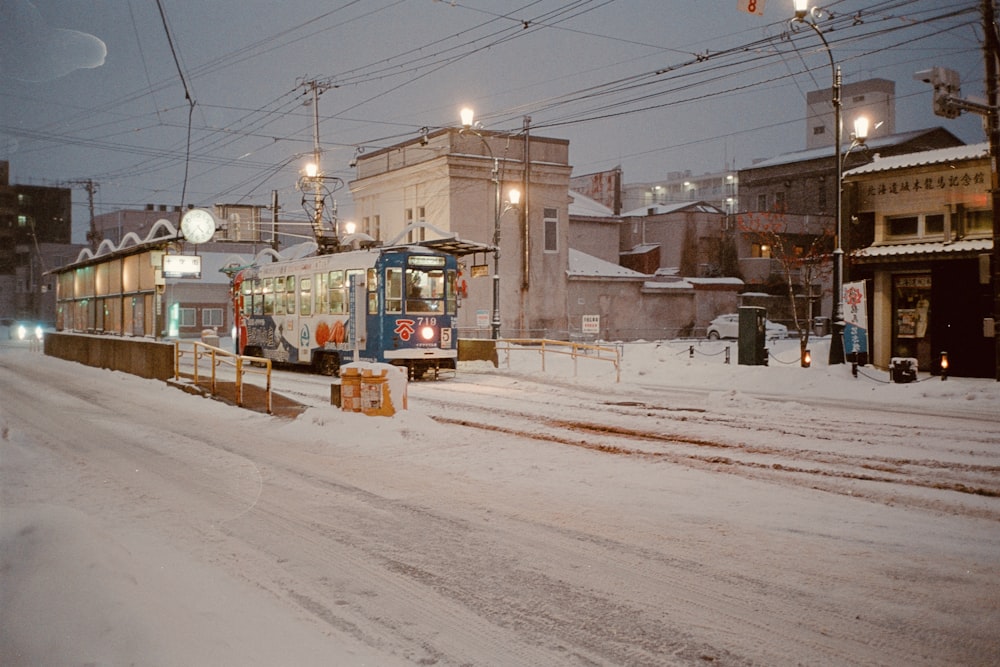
(258, 297)
(305, 297)
(268, 296)
(338, 298)
(246, 291)
(279, 295)
(322, 295)
(393, 290)
(290, 295)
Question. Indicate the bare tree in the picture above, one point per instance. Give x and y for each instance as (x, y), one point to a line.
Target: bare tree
(802, 255)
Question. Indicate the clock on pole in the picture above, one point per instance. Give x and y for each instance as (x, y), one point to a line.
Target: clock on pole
(198, 225)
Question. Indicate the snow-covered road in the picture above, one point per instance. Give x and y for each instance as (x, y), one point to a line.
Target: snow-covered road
(506, 518)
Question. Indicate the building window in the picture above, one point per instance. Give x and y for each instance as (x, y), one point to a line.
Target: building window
(376, 232)
(978, 221)
(211, 317)
(934, 225)
(819, 129)
(551, 225)
(760, 250)
(762, 202)
(188, 317)
(903, 226)
(779, 201)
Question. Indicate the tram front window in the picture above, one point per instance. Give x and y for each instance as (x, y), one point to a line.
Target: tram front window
(424, 291)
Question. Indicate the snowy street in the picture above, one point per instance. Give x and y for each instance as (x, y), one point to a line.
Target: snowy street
(693, 513)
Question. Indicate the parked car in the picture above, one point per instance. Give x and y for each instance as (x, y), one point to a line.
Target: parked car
(728, 326)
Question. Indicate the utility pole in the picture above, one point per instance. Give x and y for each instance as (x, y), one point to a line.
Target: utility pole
(93, 236)
(317, 88)
(274, 220)
(991, 52)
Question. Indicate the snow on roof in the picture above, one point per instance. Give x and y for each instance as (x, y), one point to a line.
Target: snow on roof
(581, 205)
(715, 281)
(640, 249)
(587, 266)
(690, 283)
(660, 209)
(931, 248)
(923, 158)
(819, 153)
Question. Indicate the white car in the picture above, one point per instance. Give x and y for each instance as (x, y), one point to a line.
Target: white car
(728, 326)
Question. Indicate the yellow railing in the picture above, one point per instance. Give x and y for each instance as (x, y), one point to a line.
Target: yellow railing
(576, 350)
(217, 357)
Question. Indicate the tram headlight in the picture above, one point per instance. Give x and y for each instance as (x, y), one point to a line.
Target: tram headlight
(427, 332)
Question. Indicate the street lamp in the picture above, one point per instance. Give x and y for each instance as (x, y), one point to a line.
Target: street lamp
(808, 17)
(467, 116)
(312, 176)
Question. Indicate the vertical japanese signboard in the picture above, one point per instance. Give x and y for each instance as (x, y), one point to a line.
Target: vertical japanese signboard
(855, 307)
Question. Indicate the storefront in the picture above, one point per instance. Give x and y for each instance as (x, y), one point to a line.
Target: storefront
(928, 269)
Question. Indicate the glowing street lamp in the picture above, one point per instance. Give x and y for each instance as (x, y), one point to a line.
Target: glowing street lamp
(467, 116)
(808, 17)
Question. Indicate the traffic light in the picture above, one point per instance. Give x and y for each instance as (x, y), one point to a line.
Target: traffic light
(947, 88)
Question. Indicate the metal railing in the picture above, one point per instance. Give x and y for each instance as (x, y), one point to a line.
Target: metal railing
(217, 357)
(577, 351)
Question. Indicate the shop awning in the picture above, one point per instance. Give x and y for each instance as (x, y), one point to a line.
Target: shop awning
(899, 252)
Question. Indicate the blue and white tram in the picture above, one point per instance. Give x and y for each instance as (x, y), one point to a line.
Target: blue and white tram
(304, 312)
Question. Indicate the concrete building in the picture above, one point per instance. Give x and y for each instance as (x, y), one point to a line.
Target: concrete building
(796, 194)
(874, 99)
(35, 235)
(720, 189)
(448, 182)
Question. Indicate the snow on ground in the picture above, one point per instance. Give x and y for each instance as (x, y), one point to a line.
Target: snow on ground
(85, 578)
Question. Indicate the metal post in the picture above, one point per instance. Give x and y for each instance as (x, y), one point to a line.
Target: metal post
(495, 320)
(992, 50)
(837, 339)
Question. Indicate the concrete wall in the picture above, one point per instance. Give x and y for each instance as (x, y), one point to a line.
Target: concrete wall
(138, 356)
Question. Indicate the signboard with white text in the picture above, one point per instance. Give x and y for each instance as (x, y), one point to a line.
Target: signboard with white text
(182, 266)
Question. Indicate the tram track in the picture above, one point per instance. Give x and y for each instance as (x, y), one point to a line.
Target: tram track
(838, 449)
(826, 454)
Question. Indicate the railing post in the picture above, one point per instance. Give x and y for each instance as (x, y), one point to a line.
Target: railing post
(268, 396)
(213, 371)
(239, 381)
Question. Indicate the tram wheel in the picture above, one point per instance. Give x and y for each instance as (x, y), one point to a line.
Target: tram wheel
(328, 364)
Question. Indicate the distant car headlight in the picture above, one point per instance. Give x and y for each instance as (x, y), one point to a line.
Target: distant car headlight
(26, 331)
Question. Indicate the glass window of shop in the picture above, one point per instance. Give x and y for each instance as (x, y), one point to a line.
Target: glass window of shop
(911, 308)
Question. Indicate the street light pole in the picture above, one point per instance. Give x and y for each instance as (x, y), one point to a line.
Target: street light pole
(467, 116)
(837, 339)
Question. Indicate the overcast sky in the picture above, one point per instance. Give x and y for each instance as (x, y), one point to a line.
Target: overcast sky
(101, 90)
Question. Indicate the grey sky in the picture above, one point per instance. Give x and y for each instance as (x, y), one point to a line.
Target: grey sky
(654, 85)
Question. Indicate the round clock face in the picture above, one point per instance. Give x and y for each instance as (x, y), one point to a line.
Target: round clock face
(198, 225)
